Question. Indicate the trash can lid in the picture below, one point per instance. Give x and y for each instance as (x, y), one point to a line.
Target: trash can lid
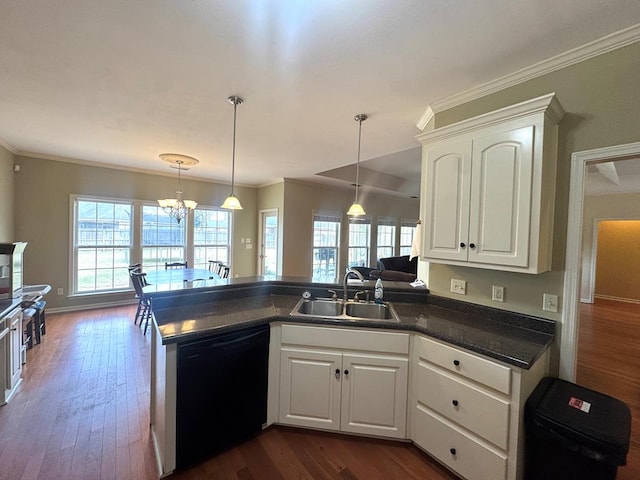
(582, 417)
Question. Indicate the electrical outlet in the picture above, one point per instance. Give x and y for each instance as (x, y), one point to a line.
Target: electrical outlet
(550, 302)
(459, 286)
(497, 294)
(60, 291)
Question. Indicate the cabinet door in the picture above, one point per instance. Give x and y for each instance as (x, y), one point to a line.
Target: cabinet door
(310, 388)
(446, 186)
(374, 395)
(14, 362)
(500, 212)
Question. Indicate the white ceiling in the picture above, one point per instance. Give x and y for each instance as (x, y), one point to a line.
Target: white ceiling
(122, 81)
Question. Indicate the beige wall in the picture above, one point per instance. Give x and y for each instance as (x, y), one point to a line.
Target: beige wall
(602, 207)
(7, 228)
(302, 199)
(42, 212)
(618, 260)
(602, 99)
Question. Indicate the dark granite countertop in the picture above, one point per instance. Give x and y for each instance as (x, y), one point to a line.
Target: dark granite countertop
(7, 305)
(512, 338)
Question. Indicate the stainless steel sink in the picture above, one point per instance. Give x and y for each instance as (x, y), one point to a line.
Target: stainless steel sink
(318, 308)
(340, 310)
(373, 311)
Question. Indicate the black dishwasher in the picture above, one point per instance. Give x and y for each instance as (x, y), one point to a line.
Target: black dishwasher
(221, 392)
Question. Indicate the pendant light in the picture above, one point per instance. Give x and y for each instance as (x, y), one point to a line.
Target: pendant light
(356, 209)
(176, 207)
(232, 202)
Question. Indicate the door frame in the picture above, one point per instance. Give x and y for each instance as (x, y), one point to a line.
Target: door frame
(571, 314)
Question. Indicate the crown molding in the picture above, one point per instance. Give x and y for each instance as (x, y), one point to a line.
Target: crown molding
(6, 146)
(593, 49)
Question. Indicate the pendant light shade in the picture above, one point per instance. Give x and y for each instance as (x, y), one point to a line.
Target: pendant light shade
(356, 209)
(232, 202)
(177, 207)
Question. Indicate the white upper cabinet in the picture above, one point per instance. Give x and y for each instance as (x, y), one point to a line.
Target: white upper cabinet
(488, 188)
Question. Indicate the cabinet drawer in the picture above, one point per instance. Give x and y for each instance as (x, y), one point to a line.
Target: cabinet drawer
(453, 447)
(466, 364)
(465, 404)
(346, 339)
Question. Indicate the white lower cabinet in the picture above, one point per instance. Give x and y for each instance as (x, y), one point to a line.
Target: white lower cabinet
(14, 352)
(467, 410)
(327, 382)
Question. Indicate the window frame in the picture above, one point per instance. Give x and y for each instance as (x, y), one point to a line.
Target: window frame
(350, 247)
(386, 222)
(332, 217)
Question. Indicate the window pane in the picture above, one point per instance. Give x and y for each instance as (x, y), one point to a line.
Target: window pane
(102, 236)
(211, 236)
(406, 238)
(163, 238)
(359, 238)
(386, 239)
(326, 236)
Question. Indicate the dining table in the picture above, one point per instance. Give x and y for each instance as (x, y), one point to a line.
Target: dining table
(179, 279)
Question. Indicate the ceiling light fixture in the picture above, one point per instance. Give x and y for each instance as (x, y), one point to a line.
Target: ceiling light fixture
(176, 207)
(356, 209)
(232, 202)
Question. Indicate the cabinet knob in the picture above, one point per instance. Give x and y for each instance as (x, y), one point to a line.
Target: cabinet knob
(452, 451)
(472, 245)
(456, 363)
(462, 245)
(346, 372)
(455, 403)
(337, 373)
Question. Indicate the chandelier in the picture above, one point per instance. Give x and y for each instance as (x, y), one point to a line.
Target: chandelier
(177, 207)
(356, 209)
(232, 202)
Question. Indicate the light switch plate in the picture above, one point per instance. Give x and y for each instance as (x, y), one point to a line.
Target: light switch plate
(550, 302)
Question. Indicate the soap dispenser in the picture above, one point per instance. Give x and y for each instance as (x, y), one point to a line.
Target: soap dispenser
(379, 293)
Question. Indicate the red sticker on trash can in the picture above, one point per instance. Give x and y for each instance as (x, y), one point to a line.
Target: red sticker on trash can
(579, 404)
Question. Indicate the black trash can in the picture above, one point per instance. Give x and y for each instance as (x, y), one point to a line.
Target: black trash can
(574, 432)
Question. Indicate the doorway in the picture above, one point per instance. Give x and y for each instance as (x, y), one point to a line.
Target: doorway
(268, 241)
(580, 163)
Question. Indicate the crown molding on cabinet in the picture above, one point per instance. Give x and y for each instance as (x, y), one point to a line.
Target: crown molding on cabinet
(603, 45)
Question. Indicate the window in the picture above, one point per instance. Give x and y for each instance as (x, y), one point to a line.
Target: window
(407, 231)
(326, 239)
(359, 241)
(111, 234)
(102, 245)
(386, 237)
(211, 234)
(163, 239)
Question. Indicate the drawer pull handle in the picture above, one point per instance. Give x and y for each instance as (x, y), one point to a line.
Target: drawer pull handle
(456, 363)
(455, 403)
(452, 451)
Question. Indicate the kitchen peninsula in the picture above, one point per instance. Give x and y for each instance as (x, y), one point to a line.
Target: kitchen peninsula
(450, 376)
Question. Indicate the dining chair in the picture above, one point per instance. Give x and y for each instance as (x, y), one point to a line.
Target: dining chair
(224, 271)
(172, 265)
(214, 266)
(143, 313)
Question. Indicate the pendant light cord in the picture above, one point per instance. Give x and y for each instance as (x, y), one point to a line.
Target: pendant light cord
(233, 151)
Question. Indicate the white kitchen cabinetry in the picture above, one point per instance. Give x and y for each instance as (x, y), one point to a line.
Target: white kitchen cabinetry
(467, 411)
(344, 379)
(13, 352)
(488, 188)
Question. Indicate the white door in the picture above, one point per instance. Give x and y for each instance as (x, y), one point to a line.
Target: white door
(268, 255)
(501, 175)
(446, 188)
(374, 395)
(310, 388)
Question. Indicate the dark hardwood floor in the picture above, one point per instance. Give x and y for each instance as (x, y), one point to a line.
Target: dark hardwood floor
(82, 411)
(609, 362)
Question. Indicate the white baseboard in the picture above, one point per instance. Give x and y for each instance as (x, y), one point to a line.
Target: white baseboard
(618, 299)
(91, 306)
